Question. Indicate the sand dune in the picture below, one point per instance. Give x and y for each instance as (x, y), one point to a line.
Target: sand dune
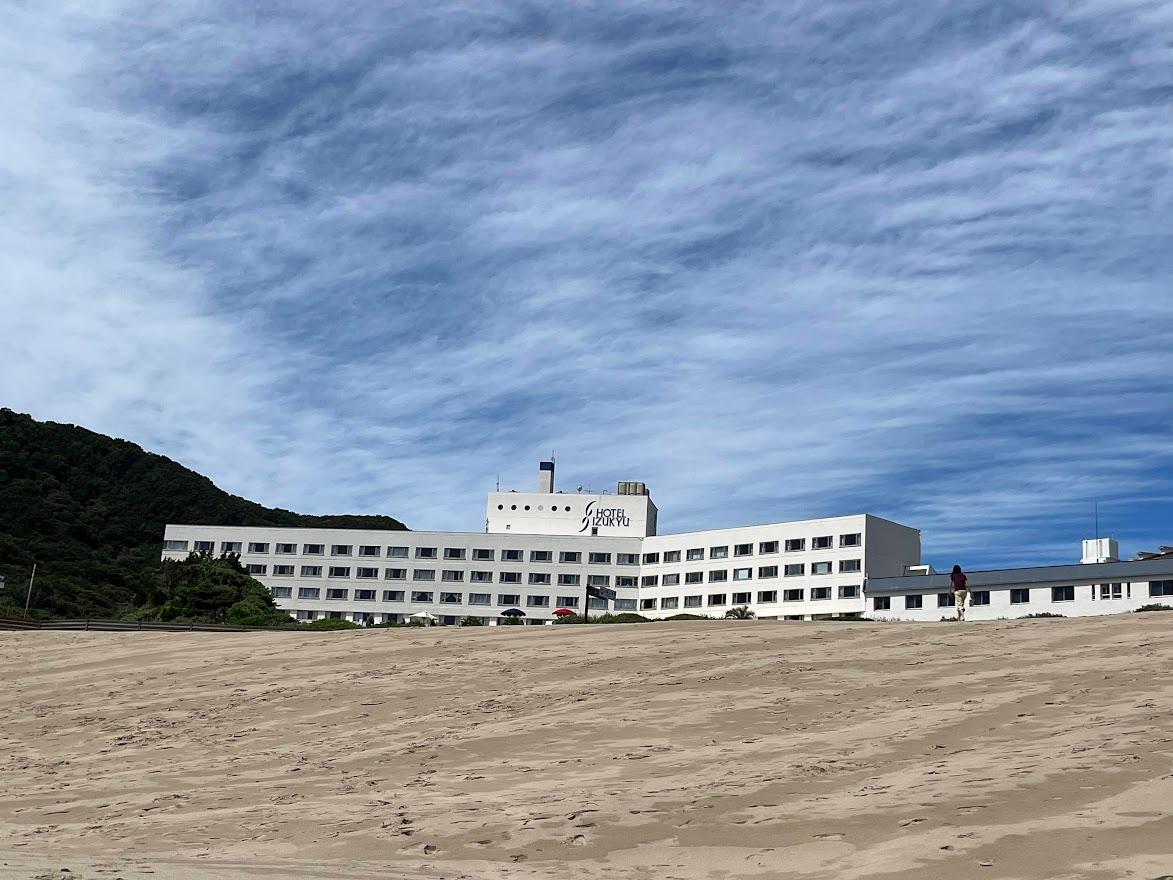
(1023, 749)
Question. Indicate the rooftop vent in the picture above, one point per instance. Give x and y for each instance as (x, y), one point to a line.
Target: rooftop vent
(630, 487)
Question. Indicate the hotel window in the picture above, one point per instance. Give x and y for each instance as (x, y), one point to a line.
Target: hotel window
(794, 570)
(626, 580)
(742, 574)
(625, 604)
(282, 592)
(335, 615)
(454, 553)
(695, 553)
(396, 552)
(1019, 596)
(203, 546)
(694, 577)
(367, 573)
(718, 575)
(420, 596)
(537, 601)
(794, 545)
(541, 556)
(914, 601)
(767, 571)
(543, 578)
(308, 592)
(480, 598)
(511, 556)
(881, 603)
(1107, 591)
(595, 602)
(313, 549)
(743, 549)
(425, 552)
(1158, 589)
(483, 554)
(742, 598)
(1062, 594)
(395, 574)
(599, 558)
(767, 596)
(768, 547)
(451, 576)
(717, 599)
(368, 550)
(823, 542)
(721, 552)
(481, 577)
(255, 547)
(364, 595)
(451, 598)
(820, 593)
(256, 568)
(793, 595)
(670, 603)
(339, 571)
(671, 556)
(671, 580)
(393, 595)
(849, 592)
(979, 597)
(282, 571)
(337, 593)
(651, 558)
(230, 546)
(340, 549)
(852, 540)
(569, 580)
(650, 580)
(509, 577)
(944, 600)
(567, 601)
(848, 566)
(423, 574)
(283, 548)
(627, 559)
(311, 571)
(692, 601)
(599, 580)
(820, 568)
(508, 599)
(570, 557)
(647, 604)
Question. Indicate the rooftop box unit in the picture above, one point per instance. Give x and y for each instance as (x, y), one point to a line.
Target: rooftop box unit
(630, 487)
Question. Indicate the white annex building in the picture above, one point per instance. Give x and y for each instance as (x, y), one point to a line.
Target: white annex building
(542, 553)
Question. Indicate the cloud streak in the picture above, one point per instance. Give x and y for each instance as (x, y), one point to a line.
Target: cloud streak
(776, 261)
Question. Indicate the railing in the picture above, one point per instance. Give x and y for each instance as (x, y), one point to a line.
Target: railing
(19, 623)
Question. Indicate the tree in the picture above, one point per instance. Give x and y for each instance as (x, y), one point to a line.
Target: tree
(206, 589)
(741, 612)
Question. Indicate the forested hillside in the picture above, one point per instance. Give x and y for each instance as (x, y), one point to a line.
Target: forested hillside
(90, 510)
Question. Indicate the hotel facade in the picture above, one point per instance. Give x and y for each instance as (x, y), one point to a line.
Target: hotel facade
(547, 552)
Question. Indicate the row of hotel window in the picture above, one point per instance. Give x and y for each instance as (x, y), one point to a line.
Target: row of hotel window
(1021, 596)
(793, 545)
(539, 601)
(846, 566)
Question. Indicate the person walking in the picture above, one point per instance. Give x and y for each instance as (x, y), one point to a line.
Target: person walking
(959, 580)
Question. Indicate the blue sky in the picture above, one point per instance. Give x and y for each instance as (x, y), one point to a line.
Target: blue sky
(778, 260)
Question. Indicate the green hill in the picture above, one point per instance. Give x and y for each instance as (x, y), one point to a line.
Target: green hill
(90, 510)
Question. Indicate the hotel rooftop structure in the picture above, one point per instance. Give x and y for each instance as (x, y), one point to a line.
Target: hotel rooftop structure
(548, 552)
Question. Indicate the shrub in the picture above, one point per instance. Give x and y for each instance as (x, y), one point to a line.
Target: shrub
(687, 616)
(471, 621)
(1042, 614)
(331, 623)
(1154, 607)
(741, 612)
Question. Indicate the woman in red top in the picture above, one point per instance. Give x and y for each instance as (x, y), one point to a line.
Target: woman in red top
(959, 591)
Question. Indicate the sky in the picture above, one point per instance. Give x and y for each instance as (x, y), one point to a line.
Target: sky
(778, 260)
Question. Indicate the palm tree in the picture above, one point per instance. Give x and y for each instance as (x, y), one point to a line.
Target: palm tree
(741, 612)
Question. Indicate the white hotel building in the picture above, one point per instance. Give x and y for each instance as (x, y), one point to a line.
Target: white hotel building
(541, 551)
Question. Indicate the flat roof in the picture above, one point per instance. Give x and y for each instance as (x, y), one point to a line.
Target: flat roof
(1093, 572)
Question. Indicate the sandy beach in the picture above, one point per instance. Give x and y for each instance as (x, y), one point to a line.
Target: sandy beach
(1024, 749)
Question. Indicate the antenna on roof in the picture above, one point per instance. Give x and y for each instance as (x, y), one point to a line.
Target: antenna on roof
(1097, 510)
(498, 481)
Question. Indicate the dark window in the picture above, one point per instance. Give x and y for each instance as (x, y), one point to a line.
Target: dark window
(944, 600)
(1160, 588)
(1019, 596)
(882, 603)
(1062, 594)
(914, 601)
(979, 597)
(768, 596)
